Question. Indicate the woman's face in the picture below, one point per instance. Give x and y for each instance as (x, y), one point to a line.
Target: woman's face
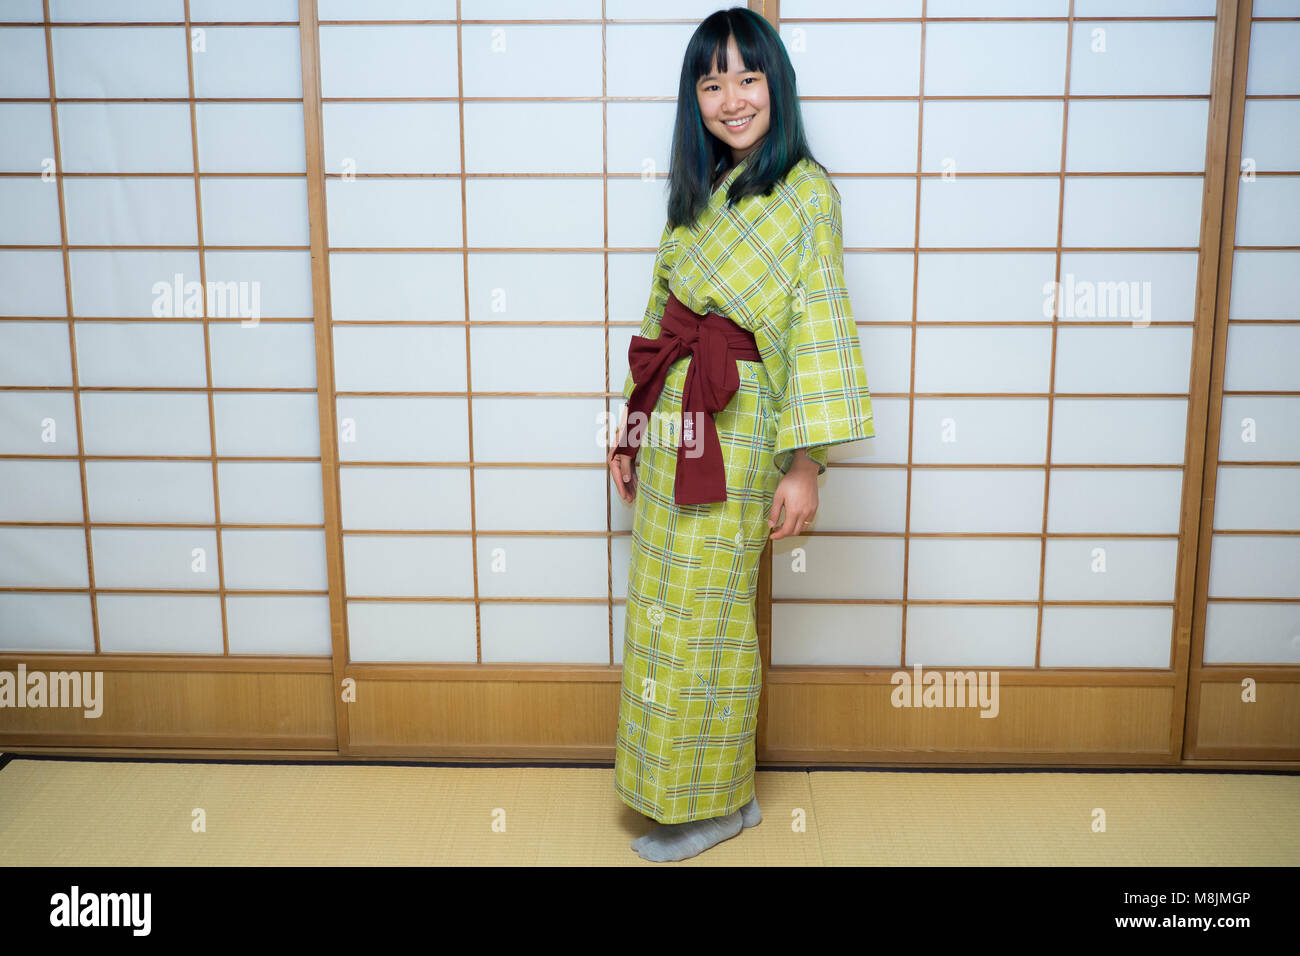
(737, 95)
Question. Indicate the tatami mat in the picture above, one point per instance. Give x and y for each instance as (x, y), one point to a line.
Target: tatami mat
(88, 812)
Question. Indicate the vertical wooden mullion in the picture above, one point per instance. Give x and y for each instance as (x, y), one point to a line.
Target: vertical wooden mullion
(309, 43)
(1214, 286)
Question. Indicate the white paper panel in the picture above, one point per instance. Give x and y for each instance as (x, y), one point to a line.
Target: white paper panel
(1273, 67)
(1001, 500)
(145, 211)
(556, 287)
(279, 624)
(827, 567)
(1142, 58)
(1259, 428)
(982, 286)
(156, 558)
(30, 138)
(249, 61)
(504, 137)
(255, 212)
(120, 62)
(34, 353)
(852, 59)
(973, 569)
(1271, 135)
(279, 559)
(878, 212)
(270, 284)
(546, 213)
(542, 566)
(863, 635)
(392, 137)
(31, 212)
(620, 568)
(1106, 636)
(890, 443)
(983, 360)
(373, 60)
(43, 557)
(577, 633)
(619, 632)
(997, 8)
(980, 431)
(251, 137)
(1262, 358)
(1110, 569)
(639, 136)
(1132, 211)
(410, 498)
(134, 284)
(1145, 8)
(141, 353)
(1252, 633)
(403, 429)
(395, 286)
(1137, 135)
(989, 212)
(1141, 431)
(1123, 360)
(387, 9)
(126, 137)
(964, 59)
(1257, 498)
(25, 11)
(267, 425)
(1265, 284)
(1274, 8)
(423, 358)
(1130, 501)
(561, 60)
(159, 623)
(527, 10)
(522, 359)
(943, 636)
(268, 354)
(123, 11)
(23, 62)
(46, 623)
(37, 423)
(1266, 211)
(835, 127)
(863, 499)
(383, 213)
(886, 356)
(40, 291)
(40, 491)
(995, 136)
(538, 429)
(284, 10)
(1127, 287)
(435, 631)
(146, 423)
(677, 9)
(414, 565)
(150, 491)
(1261, 566)
(539, 499)
(270, 492)
(880, 285)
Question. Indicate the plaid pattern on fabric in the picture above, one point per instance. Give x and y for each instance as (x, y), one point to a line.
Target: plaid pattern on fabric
(688, 706)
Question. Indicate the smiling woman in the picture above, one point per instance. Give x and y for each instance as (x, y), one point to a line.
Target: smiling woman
(748, 342)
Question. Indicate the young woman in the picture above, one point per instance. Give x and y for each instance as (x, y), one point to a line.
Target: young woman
(747, 367)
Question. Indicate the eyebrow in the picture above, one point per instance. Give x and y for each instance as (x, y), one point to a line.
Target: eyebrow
(714, 76)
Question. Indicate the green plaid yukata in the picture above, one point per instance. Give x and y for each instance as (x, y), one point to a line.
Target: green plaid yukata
(688, 708)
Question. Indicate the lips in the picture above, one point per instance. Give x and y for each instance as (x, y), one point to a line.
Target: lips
(742, 126)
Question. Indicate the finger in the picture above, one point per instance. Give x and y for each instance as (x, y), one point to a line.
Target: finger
(778, 500)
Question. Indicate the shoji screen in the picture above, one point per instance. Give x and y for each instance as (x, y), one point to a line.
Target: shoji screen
(1021, 506)
(1249, 586)
(159, 445)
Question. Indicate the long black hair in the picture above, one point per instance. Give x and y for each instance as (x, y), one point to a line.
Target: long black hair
(697, 155)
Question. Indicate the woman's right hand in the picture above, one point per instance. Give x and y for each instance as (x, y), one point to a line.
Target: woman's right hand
(620, 466)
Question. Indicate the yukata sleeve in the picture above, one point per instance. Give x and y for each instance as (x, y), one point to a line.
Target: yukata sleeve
(826, 399)
(654, 310)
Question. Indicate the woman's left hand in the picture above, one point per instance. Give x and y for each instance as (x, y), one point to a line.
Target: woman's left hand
(797, 493)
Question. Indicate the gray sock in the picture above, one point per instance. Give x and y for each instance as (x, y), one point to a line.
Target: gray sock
(679, 841)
